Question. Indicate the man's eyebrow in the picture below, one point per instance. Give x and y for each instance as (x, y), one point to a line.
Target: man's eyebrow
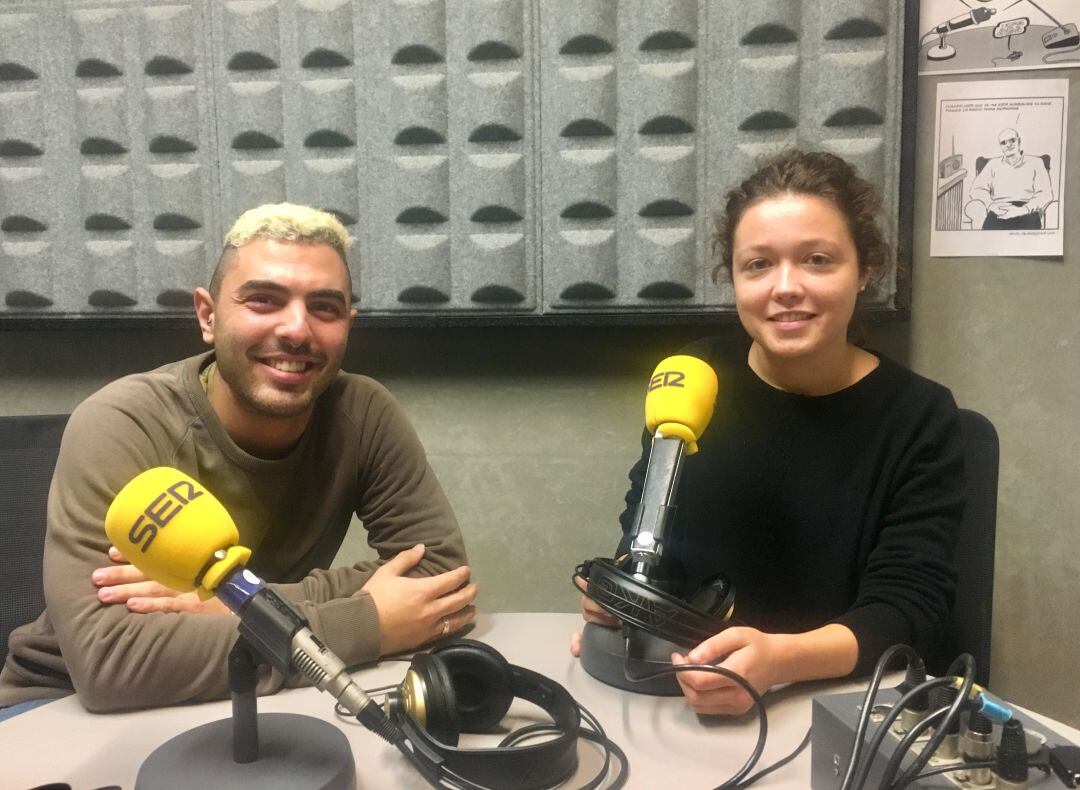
(270, 285)
(328, 293)
(262, 285)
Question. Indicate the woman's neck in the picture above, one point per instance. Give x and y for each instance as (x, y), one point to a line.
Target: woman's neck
(824, 374)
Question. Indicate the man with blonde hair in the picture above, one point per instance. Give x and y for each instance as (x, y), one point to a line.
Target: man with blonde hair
(293, 448)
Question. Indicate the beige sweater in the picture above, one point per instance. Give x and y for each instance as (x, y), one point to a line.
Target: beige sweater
(359, 455)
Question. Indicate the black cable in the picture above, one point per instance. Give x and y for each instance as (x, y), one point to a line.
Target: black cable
(612, 749)
(868, 706)
(961, 767)
(759, 706)
(595, 734)
(763, 719)
(1045, 768)
(902, 748)
(962, 696)
(883, 728)
(779, 763)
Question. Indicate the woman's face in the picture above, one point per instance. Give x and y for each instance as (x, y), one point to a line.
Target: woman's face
(796, 276)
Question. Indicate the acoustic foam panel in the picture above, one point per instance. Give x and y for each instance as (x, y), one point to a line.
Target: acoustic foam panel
(491, 157)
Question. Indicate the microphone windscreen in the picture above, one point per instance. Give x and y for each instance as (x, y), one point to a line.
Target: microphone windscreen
(680, 399)
(168, 526)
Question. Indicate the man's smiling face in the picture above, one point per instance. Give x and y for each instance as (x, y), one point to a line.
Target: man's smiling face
(280, 326)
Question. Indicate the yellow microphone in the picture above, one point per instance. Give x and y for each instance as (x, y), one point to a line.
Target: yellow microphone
(680, 398)
(679, 403)
(173, 530)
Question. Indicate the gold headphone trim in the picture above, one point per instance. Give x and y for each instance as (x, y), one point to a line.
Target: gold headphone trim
(413, 696)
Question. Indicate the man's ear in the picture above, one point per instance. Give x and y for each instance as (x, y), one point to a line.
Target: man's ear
(204, 312)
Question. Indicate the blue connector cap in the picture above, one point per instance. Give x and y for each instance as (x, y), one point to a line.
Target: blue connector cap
(992, 708)
(239, 588)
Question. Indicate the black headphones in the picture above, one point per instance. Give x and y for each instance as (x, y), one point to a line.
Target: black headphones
(467, 686)
(636, 603)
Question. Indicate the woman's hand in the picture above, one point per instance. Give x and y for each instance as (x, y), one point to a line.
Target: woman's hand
(748, 652)
(763, 660)
(592, 613)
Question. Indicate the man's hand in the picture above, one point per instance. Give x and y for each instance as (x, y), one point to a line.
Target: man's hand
(126, 584)
(592, 613)
(749, 652)
(415, 611)
(1008, 210)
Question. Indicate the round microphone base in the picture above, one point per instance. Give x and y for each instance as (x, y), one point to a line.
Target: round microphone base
(294, 752)
(603, 655)
(941, 51)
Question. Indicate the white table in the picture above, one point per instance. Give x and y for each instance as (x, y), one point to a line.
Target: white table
(667, 744)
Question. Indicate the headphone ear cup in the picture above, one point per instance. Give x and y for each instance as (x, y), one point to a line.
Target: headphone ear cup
(715, 597)
(482, 680)
(439, 704)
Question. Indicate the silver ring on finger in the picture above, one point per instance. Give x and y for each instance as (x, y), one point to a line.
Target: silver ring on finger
(445, 626)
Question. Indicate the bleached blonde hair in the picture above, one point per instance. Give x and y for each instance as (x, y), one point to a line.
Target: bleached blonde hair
(289, 222)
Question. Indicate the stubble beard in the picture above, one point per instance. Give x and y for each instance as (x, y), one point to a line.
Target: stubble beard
(262, 399)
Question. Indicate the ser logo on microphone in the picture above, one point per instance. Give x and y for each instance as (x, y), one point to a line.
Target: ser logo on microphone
(666, 378)
(160, 512)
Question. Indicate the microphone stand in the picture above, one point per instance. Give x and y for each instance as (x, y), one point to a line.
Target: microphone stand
(243, 663)
(613, 655)
(268, 750)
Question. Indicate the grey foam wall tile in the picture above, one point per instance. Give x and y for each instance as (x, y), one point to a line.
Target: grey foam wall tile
(249, 34)
(112, 274)
(181, 264)
(172, 119)
(22, 130)
(252, 182)
(171, 38)
(325, 36)
(106, 199)
(330, 182)
(417, 273)
(99, 52)
(328, 124)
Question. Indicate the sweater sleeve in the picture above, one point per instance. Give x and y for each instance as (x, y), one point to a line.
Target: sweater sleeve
(908, 585)
(400, 502)
(118, 659)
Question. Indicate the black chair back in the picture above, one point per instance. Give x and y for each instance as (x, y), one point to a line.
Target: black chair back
(971, 621)
(28, 449)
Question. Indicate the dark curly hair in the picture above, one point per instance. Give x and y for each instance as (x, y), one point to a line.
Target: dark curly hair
(817, 173)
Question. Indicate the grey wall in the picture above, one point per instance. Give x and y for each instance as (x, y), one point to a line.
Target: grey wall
(532, 430)
(1002, 334)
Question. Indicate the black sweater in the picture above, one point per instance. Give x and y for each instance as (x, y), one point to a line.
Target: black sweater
(839, 508)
